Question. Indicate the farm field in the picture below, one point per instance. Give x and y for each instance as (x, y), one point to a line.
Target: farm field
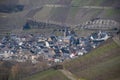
(72, 13)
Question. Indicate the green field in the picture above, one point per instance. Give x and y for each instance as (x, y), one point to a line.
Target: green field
(87, 2)
(72, 12)
(43, 14)
(94, 2)
(48, 75)
(113, 12)
(75, 14)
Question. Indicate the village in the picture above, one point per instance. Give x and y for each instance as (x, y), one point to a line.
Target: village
(53, 49)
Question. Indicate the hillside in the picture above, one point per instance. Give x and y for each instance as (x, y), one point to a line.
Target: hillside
(70, 12)
(101, 64)
(48, 75)
(73, 11)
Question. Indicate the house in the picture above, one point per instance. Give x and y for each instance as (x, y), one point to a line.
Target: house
(69, 39)
(72, 55)
(80, 53)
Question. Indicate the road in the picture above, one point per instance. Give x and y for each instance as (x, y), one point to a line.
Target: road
(68, 74)
(97, 7)
(87, 7)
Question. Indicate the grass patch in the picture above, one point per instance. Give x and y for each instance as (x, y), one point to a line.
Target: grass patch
(107, 67)
(80, 2)
(59, 14)
(48, 75)
(95, 2)
(73, 11)
(112, 12)
(41, 31)
(86, 2)
(43, 14)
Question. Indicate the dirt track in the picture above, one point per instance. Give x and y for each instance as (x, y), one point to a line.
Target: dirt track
(68, 74)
